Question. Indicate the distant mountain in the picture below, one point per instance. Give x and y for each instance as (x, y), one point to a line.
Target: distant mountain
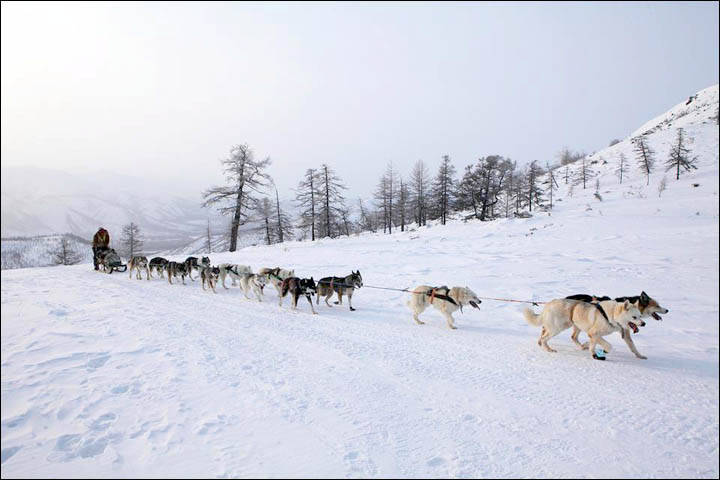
(38, 201)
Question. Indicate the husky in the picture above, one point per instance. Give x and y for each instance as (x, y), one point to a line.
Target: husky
(326, 286)
(209, 275)
(297, 287)
(446, 300)
(595, 319)
(233, 270)
(174, 269)
(191, 263)
(253, 281)
(276, 276)
(158, 264)
(649, 307)
(138, 262)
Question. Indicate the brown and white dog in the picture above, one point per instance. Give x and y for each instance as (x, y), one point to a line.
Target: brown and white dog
(138, 262)
(444, 299)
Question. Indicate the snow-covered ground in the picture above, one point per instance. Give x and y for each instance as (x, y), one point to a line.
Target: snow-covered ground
(103, 375)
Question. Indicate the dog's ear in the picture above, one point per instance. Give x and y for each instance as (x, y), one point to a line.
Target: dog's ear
(644, 299)
(626, 305)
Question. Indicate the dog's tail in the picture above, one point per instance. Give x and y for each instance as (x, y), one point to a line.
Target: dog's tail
(531, 317)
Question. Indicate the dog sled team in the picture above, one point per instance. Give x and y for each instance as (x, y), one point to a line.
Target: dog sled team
(598, 317)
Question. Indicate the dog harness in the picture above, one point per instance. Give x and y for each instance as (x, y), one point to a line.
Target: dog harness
(433, 295)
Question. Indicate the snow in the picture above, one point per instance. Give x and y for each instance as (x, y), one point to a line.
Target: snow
(103, 375)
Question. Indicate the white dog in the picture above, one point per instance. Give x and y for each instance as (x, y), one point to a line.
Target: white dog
(446, 300)
(276, 276)
(595, 319)
(234, 271)
(255, 282)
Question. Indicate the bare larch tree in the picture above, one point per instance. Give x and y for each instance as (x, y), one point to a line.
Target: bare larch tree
(284, 226)
(645, 156)
(419, 190)
(442, 191)
(132, 239)
(332, 202)
(306, 197)
(680, 156)
(65, 253)
(246, 178)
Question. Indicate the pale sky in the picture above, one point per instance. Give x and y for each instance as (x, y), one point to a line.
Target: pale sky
(164, 89)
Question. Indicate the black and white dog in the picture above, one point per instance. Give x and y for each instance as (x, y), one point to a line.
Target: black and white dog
(234, 271)
(297, 286)
(191, 263)
(158, 264)
(174, 269)
(209, 275)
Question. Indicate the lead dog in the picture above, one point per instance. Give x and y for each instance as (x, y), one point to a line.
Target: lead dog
(649, 307)
(342, 285)
(595, 319)
(138, 262)
(444, 299)
(209, 275)
(233, 270)
(253, 281)
(297, 287)
(276, 276)
(158, 264)
(174, 269)
(191, 263)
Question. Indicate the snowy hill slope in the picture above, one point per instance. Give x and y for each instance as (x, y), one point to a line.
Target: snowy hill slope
(39, 201)
(103, 375)
(22, 252)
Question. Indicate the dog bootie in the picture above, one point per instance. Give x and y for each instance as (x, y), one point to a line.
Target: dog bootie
(599, 354)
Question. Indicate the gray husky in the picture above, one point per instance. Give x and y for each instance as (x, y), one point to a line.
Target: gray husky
(176, 268)
(139, 263)
(341, 285)
(191, 263)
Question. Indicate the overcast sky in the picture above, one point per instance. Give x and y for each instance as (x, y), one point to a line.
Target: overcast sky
(163, 89)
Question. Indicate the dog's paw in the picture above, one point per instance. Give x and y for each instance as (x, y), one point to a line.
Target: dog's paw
(596, 357)
(641, 357)
(352, 309)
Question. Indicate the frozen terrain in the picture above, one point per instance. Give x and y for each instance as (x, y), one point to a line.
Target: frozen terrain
(103, 375)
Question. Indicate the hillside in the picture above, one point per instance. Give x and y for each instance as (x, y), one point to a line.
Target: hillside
(103, 375)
